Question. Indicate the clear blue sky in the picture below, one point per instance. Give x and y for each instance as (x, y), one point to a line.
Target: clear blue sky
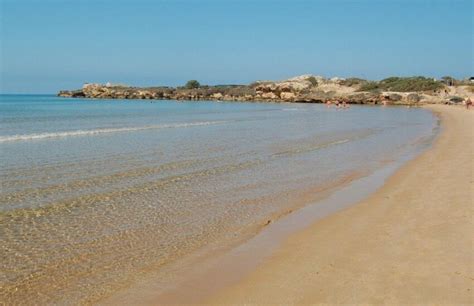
(49, 45)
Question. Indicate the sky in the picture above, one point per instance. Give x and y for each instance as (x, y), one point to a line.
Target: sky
(48, 45)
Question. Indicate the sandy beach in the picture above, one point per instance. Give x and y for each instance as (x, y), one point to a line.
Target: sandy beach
(409, 243)
(236, 153)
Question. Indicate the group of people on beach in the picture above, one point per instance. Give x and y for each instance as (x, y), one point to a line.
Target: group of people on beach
(338, 103)
(343, 103)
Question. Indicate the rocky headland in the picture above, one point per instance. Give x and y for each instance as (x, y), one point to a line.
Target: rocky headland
(305, 88)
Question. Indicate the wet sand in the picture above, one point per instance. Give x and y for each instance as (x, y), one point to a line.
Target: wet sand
(409, 243)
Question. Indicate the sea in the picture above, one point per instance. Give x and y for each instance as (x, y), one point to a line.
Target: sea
(96, 194)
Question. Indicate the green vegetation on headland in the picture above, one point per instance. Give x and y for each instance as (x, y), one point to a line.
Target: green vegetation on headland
(305, 88)
(192, 84)
(398, 84)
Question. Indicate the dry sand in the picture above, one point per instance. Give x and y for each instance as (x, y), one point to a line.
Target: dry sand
(410, 243)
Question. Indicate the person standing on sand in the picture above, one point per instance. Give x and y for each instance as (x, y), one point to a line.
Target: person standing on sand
(468, 103)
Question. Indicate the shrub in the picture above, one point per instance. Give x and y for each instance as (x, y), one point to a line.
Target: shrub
(456, 99)
(192, 84)
(353, 81)
(395, 97)
(370, 86)
(313, 81)
(240, 91)
(410, 84)
(448, 80)
(403, 84)
(413, 97)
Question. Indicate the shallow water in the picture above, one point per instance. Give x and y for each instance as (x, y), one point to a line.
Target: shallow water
(97, 193)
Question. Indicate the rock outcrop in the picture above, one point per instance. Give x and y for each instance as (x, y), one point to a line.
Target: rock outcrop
(305, 88)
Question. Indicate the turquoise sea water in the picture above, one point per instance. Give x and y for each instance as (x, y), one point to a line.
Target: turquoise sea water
(96, 193)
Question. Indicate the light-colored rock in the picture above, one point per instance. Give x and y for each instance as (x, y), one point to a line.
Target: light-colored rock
(291, 87)
(269, 95)
(337, 80)
(217, 96)
(287, 96)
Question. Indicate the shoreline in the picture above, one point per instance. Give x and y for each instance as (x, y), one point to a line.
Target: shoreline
(402, 244)
(229, 265)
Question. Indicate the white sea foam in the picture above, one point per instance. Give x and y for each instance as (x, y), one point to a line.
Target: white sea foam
(41, 136)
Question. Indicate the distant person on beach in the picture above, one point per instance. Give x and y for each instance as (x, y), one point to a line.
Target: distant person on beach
(328, 103)
(468, 103)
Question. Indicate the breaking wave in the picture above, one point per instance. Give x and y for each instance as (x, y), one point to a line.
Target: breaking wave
(40, 136)
(292, 109)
